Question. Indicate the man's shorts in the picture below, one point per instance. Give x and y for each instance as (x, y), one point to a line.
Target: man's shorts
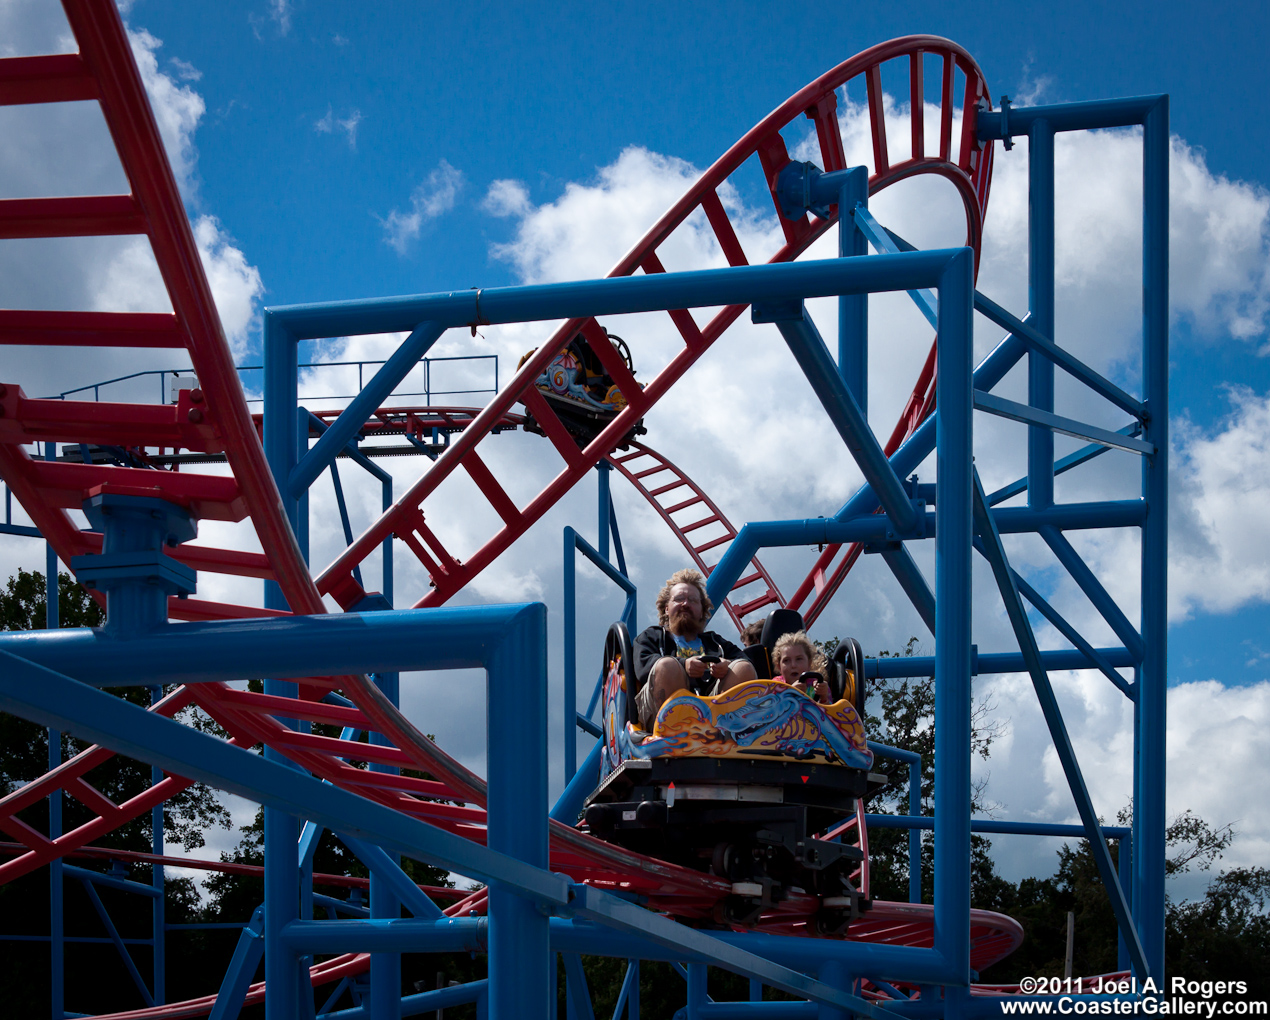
(644, 704)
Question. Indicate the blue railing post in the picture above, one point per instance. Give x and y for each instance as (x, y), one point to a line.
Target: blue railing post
(521, 971)
(604, 471)
(570, 656)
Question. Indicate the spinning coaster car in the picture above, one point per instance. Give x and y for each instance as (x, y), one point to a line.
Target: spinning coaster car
(579, 390)
(739, 784)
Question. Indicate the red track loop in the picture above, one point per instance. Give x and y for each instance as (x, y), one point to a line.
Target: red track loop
(970, 170)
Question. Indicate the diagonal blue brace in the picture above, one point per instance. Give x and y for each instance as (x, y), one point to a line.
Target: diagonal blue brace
(392, 875)
(995, 554)
(242, 968)
(884, 243)
(113, 932)
(909, 574)
(366, 403)
(1029, 415)
(1094, 591)
(1128, 689)
(577, 994)
(813, 358)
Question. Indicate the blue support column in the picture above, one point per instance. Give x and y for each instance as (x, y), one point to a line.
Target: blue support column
(1040, 370)
(521, 965)
(1149, 818)
(385, 968)
(57, 927)
(282, 441)
(57, 915)
(834, 974)
(157, 910)
(853, 309)
(953, 514)
(1124, 868)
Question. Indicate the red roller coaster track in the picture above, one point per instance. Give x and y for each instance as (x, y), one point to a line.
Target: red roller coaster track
(216, 420)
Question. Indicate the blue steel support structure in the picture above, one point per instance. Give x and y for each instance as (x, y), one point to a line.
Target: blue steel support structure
(52, 681)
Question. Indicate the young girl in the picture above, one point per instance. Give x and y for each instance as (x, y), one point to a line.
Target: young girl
(795, 655)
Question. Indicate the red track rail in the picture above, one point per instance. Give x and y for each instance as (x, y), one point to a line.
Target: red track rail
(671, 492)
(969, 169)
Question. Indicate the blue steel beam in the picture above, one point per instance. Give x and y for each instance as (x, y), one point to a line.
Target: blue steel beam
(424, 1002)
(853, 309)
(988, 663)
(617, 295)
(569, 806)
(919, 445)
(469, 934)
(573, 544)
(925, 823)
(995, 554)
(1033, 416)
(1086, 116)
(522, 975)
(1020, 328)
(388, 871)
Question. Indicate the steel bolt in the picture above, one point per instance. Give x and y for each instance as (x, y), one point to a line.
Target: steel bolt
(195, 416)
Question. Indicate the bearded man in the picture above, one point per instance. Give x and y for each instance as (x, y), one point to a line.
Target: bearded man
(669, 657)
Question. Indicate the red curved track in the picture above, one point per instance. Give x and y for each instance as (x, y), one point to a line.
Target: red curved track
(216, 420)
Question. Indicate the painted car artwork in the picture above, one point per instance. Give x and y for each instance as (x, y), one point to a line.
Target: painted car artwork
(757, 718)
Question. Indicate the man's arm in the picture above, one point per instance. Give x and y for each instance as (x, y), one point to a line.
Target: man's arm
(648, 650)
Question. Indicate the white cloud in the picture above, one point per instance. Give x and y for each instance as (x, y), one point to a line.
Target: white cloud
(1220, 557)
(185, 70)
(430, 199)
(1026, 778)
(507, 198)
(329, 124)
(280, 14)
(177, 108)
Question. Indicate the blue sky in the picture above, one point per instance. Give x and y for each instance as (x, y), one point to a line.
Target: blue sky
(537, 141)
(547, 92)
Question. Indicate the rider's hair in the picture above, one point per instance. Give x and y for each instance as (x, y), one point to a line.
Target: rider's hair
(685, 576)
(798, 639)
